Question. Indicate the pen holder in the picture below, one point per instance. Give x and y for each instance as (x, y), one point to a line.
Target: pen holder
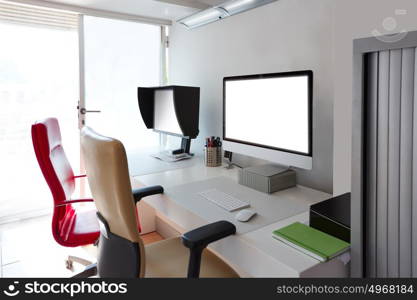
(213, 156)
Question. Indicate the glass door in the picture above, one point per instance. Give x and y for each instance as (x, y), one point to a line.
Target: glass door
(116, 58)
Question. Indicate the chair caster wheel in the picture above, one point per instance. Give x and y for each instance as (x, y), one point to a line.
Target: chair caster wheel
(69, 265)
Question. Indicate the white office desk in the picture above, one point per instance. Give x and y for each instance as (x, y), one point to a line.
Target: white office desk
(252, 254)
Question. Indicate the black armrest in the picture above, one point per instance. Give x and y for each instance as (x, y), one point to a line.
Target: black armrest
(138, 194)
(198, 239)
(204, 235)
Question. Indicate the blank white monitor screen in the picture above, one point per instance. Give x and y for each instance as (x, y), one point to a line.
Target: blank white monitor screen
(269, 112)
(165, 118)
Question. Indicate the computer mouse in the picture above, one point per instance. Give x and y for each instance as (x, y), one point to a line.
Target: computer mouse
(245, 215)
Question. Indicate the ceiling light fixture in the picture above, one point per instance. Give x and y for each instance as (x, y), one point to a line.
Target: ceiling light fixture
(227, 9)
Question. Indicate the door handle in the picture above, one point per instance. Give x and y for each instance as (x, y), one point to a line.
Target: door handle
(83, 111)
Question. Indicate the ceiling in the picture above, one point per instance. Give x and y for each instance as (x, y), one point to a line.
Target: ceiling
(148, 8)
(200, 4)
(211, 2)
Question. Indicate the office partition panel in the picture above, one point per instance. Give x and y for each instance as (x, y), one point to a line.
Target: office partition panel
(384, 197)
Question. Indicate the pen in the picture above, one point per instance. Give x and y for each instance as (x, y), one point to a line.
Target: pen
(218, 143)
(213, 142)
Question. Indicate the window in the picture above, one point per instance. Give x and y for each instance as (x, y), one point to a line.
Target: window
(38, 78)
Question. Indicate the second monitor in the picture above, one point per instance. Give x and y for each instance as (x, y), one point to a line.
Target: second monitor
(172, 110)
(164, 115)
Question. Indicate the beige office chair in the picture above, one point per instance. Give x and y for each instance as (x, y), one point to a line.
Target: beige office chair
(121, 252)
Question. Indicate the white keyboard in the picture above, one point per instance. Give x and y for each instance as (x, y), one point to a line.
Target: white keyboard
(224, 200)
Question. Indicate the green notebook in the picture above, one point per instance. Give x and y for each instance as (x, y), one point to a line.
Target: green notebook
(313, 242)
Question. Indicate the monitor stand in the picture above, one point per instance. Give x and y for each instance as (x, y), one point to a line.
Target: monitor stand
(185, 147)
(176, 155)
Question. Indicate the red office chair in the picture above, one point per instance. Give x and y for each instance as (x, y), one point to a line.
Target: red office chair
(70, 227)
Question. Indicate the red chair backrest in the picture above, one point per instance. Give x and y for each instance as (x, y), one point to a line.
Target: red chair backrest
(46, 138)
(56, 169)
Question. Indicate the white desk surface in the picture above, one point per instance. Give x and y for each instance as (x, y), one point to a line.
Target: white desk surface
(141, 162)
(252, 254)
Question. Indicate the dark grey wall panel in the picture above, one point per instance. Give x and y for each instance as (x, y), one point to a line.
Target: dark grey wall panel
(387, 119)
(394, 162)
(382, 159)
(406, 168)
(391, 163)
(414, 204)
(371, 168)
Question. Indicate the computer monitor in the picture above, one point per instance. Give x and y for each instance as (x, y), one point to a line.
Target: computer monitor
(173, 110)
(269, 116)
(165, 118)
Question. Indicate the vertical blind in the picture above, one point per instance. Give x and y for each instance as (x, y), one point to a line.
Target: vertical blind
(35, 15)
(391, 163)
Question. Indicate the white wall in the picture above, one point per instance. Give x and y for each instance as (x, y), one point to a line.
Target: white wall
(283, 36)
(355, 19)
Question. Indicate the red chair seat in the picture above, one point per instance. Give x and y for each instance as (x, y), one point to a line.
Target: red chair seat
(78, 227)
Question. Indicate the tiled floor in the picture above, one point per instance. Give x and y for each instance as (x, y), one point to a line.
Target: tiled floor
(29, 250)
